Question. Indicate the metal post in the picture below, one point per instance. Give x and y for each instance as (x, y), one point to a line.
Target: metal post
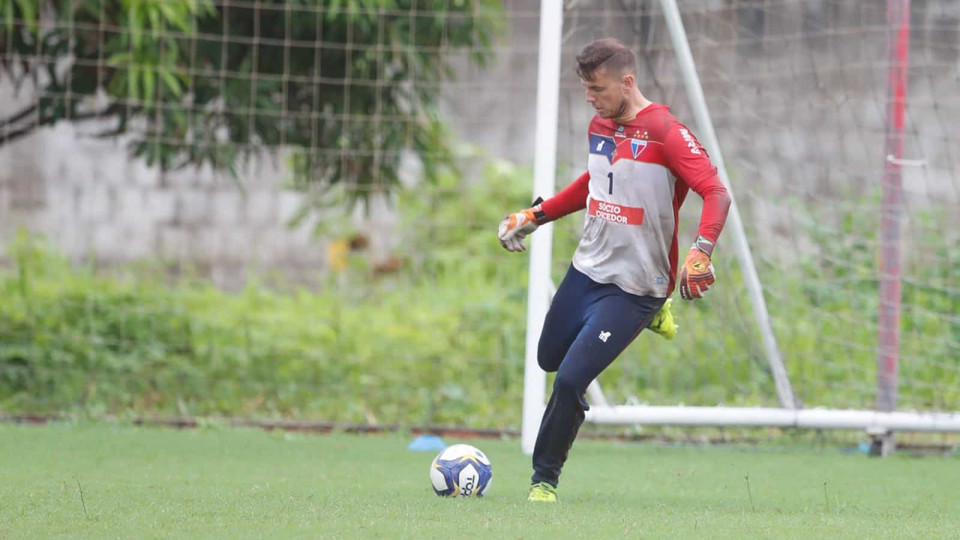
(891, 209)
(541, 243)
(681, 48)
(943, 422)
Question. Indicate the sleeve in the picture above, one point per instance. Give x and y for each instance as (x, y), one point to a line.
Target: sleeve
(689, 162)
(568, 201)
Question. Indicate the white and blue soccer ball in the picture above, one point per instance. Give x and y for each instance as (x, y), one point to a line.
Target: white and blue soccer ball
(461, 470)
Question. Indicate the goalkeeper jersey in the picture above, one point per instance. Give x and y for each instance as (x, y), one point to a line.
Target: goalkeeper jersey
(638, 175)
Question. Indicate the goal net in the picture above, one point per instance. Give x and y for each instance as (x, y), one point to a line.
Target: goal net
(416, 314)
(799, 97)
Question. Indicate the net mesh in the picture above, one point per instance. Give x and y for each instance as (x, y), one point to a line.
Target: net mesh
(344, 102)
(797, 92)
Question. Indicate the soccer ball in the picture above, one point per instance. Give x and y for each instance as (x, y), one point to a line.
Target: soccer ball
(461, 470)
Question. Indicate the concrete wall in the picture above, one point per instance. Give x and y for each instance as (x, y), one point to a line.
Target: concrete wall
(93, 200)
(796, 89)
(796, 93)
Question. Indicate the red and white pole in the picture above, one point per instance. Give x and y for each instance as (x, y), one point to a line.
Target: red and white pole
(891, 210)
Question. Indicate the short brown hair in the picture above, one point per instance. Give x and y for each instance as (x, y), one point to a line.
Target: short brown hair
(605, 52)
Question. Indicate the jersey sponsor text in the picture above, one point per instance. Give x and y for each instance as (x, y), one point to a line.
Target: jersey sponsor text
(691, 144)
(616, 213)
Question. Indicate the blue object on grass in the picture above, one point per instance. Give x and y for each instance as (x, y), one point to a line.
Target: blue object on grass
(427, 443)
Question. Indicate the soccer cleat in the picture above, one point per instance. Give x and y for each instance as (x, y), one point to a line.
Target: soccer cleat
(663, 322)
(542, 492)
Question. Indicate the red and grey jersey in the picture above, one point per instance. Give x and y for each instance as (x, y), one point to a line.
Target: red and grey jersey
(638, 175)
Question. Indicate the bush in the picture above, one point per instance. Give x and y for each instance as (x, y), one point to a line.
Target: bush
(442, 342)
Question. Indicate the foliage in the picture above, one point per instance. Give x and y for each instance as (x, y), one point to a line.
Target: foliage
(346, 86)
(402, 350)
(443, 341)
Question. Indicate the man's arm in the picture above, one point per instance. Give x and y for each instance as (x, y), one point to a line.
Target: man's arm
(515, 227)
(689, 162)
(571, 199)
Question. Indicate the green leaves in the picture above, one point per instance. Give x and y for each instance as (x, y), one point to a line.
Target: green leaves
(346, 86)
(148, 52)
(154, 16)
(441, 340)
(23, 10)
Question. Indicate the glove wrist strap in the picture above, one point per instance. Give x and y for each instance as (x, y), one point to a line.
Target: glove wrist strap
(538, 212)
(703, 245)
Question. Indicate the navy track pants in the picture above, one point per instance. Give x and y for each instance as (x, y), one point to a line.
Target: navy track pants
(587, 327)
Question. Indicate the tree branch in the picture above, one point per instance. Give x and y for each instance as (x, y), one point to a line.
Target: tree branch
(7, 137)
(113, 132)
(19, 116)
(109, 111)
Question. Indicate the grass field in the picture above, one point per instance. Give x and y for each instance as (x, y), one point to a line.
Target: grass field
(226, 482)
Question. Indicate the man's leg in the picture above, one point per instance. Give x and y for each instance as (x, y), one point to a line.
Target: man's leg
(565, 318)
(614, 319)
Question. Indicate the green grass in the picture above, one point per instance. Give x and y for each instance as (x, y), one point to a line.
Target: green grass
(220, 482)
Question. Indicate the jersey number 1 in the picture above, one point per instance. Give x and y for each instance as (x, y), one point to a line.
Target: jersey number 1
(610, 176)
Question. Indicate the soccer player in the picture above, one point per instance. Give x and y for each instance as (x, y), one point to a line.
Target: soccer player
(642, 163)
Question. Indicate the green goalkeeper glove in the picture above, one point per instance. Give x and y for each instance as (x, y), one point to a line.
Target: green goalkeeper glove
(663, 322)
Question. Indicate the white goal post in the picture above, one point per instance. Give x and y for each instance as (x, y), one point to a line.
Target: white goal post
(791, 413)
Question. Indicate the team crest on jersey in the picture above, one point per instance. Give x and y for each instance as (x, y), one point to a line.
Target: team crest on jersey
(637, 146)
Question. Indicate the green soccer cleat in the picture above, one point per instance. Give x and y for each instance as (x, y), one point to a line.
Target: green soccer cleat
(663, 322)
(542, 492)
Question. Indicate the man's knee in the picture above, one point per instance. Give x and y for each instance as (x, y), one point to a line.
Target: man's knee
(549, 356)
(549, 363)
(567, 382)
(570, 388)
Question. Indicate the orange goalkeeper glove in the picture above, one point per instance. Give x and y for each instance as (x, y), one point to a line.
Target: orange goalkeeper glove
(515, 227)
(696, 276)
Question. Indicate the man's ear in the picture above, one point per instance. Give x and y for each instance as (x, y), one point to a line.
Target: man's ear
(628, 81)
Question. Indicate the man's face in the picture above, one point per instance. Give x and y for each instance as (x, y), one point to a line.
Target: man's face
(607, 92)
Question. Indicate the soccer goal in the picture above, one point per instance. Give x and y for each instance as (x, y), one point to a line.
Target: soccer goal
(836, 304)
